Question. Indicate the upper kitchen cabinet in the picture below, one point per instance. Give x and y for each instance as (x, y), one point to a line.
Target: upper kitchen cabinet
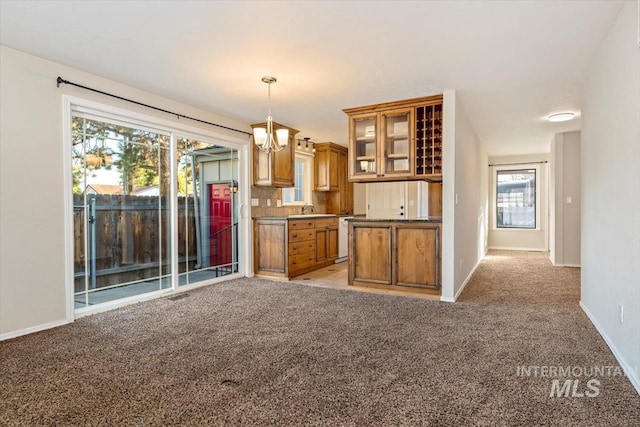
(399, 140)
(276, 168)
(326, 164)
(331, 175)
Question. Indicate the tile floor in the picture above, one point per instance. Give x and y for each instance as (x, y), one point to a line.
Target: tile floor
(335, 277)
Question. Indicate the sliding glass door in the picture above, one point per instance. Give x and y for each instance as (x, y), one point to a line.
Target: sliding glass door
(208, 214)
(121, 211)
(125, 196)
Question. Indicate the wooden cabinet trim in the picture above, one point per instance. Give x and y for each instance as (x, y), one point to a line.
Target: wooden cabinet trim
(428, 100)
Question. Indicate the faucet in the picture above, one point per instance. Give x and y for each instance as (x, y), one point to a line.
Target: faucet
(305, 206)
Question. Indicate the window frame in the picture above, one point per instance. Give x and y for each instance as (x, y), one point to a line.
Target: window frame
(307, 189)
(494, 201)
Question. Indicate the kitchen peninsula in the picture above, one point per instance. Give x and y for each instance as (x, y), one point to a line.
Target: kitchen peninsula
(396, 254)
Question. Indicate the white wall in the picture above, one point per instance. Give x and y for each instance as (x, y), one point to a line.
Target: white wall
(611, 190)
(32, 207)
(464, 198)
(534, 240)
(564, 200)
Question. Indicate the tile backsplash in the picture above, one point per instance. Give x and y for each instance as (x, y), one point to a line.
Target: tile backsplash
(274, 195)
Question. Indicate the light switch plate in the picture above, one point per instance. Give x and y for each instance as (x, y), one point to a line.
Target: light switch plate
(255, 202)
(268, 202)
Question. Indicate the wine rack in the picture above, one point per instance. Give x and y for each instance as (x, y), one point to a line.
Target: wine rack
(429, 140)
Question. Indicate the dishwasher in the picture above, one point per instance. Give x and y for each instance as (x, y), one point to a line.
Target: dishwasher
(343, 238)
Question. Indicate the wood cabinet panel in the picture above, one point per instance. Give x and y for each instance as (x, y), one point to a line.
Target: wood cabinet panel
(415, 256)
(332, 243)
(435, 199)
(301, 235)
(371, 256)
(321, 245)
(326, 166)
(340, 201)
(301, 224)
(270, 254)
(297, 248)
(301, 261)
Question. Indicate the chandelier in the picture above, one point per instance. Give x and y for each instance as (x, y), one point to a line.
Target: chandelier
(266, 137)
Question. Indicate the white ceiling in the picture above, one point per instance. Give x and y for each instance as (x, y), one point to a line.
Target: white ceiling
(512, 62)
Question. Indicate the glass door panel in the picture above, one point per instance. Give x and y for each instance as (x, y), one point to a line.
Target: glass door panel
(365, 140)
(121, 198)
(396, 142)
(208, 211)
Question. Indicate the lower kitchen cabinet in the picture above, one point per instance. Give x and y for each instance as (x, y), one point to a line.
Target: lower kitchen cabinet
(395, 254)
(270, 244)
(372, 254)
(286, 247)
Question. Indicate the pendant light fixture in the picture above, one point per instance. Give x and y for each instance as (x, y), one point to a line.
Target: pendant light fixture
(266, 137)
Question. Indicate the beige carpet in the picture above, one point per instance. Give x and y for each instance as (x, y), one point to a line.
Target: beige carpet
(258, 352)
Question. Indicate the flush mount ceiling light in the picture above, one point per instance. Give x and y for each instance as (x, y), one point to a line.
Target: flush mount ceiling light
(266, 137)
(560, 117)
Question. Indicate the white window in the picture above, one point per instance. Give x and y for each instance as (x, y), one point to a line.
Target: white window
(516, 198)
(300, 194)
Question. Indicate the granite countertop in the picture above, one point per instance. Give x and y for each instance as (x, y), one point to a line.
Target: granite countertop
(420, 219)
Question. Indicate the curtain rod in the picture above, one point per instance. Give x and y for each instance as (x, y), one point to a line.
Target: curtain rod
(519, 163)
(60, 81)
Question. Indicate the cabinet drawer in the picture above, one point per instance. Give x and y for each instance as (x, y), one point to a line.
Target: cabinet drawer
(301, 235)
(327, 223)
(301, 224)
(298, 262)
(302, 247)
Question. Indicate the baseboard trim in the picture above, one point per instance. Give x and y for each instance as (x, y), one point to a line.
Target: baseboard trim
(631, 374)
(466, 281)
(33, 329)
(508, 248)
(567, 265)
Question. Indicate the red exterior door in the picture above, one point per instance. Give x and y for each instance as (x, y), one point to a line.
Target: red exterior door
(220, 224)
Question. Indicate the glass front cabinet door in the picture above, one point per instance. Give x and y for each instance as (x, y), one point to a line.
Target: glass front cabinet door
(364, 146)
(396, 143)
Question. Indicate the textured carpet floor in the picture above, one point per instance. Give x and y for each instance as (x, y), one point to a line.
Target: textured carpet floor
(258, 352)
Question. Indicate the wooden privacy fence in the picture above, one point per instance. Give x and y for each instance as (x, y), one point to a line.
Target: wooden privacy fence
(129, 237)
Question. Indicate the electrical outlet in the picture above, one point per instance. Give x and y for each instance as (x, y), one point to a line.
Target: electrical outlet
(255, 202)
(278, 203)
(621, 312)
(268, 202)
(456, 198)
